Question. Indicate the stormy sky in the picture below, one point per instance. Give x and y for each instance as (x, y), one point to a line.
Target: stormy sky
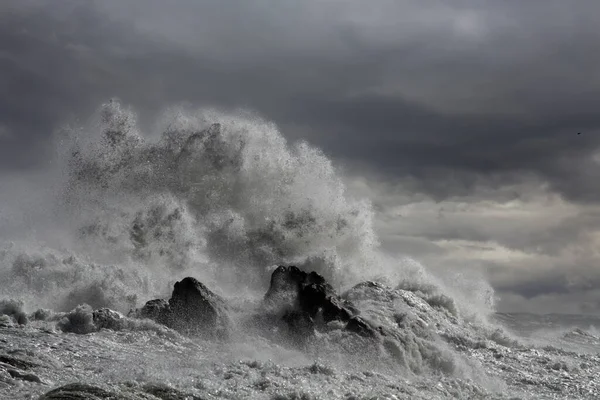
(458, 119)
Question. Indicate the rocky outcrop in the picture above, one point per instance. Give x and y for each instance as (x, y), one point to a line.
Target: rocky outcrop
(193, 309)
(300, 301)
(157, 310)
(306, 299)
(105, 318)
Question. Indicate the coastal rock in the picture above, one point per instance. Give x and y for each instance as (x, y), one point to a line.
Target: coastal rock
(196, 309)
(82, 391)
(305, 298)
(157, 310)
(105, 318)
(192, 309)
(299, 300)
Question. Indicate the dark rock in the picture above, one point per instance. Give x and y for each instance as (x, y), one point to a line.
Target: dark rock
(17, 362)
(164, 392)
(80, 391)
(299, 322)
(305, 296)
(195, 309)
(192, 309)
(157, 310)
(358, 325)
(105, 318)
(24, 376)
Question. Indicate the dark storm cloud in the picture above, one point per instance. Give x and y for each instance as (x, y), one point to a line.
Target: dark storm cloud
(403, 138)
(489, 90)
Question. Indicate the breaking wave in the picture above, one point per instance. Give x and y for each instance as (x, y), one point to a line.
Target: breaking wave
(220, 196)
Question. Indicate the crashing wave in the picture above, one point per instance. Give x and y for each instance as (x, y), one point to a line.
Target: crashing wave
(220, 197)
(225, 199)
(232, 191)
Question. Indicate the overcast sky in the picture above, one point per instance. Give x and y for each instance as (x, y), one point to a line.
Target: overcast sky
(458, 118)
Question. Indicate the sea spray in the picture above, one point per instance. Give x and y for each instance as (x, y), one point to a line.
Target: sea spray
(246, 199)
(223, 197)
(220, 196)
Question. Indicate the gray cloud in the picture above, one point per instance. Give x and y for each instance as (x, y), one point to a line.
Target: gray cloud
(462, 103)
(419, 91)
(537, 249)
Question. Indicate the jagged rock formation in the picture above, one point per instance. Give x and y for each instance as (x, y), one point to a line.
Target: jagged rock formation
(302, 301)
(192, 309)
(306, 298)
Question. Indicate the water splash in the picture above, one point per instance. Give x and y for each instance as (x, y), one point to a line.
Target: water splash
(220, 196)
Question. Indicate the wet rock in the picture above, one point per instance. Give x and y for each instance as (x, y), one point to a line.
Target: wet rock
(16, 362)
(192, 309)
(307, 297)
(358, 325)
(157, 310)
(79, 391)
(106, 318)
(195, 309)
(164, 392)
(83, 320)
(24, 376)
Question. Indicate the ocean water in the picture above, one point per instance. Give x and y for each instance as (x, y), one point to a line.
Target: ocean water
(120, 215)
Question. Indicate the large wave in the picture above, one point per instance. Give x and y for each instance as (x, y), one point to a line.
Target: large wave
(221, 196)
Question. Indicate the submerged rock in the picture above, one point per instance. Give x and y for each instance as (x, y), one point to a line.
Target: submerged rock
(307, 297)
